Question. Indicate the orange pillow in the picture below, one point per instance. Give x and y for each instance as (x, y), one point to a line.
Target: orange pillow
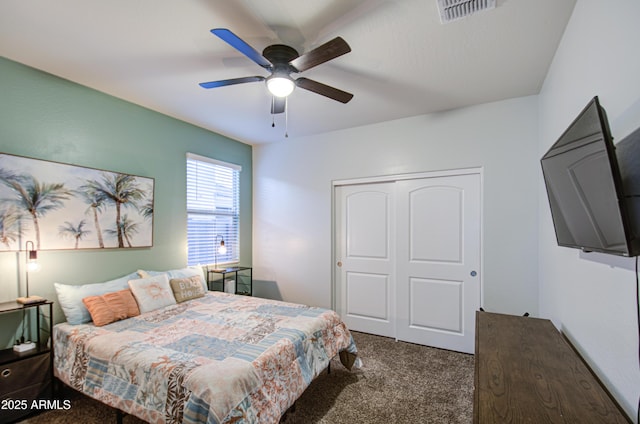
(129, 302)
(111, 307)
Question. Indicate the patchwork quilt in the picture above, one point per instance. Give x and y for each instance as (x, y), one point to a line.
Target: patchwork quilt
(221, 358)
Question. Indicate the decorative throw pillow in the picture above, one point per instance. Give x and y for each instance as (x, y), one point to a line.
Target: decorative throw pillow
(125, 300)
(111, 307)
(187, 288)
(152, 293)
(189, 271)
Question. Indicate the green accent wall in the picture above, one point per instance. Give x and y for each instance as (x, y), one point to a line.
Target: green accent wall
(46, 117)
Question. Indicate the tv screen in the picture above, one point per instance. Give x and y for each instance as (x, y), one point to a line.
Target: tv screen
(584, 186)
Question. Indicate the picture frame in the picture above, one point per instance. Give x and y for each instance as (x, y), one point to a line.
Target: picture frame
(61, 206)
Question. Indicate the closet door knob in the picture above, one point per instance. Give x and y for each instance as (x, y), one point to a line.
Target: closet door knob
(6, 372)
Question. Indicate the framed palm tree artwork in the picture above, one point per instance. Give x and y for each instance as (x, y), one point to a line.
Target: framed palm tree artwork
(61, 206)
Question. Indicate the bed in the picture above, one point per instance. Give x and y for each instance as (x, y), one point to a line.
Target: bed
(219, 358)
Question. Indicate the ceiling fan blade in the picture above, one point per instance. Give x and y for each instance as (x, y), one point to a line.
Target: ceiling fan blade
(278, 104)
(324, 90)
(232, 81)
(240, 45)
(324, 53)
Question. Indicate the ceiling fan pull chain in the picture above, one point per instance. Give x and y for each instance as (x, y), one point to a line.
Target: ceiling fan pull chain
(286, 117)
(273, 116)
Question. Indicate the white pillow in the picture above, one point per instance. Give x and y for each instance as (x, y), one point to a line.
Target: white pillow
(70, 297)
(152, 293)
(187, 272)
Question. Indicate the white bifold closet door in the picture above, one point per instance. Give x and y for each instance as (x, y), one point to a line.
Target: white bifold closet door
(408, 259)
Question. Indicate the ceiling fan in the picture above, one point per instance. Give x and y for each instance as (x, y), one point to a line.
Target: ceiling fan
(281, 61)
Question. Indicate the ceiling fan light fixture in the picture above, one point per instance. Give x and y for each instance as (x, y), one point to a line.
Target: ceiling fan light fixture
(280, 86)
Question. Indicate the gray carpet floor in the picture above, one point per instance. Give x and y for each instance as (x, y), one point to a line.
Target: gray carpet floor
(398, 383)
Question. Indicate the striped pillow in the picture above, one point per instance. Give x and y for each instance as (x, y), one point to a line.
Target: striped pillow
(111, 307)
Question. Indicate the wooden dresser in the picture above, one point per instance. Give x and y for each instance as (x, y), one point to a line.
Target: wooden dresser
(527, 372)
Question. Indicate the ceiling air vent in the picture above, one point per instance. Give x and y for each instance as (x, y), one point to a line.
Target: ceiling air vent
(452, 10)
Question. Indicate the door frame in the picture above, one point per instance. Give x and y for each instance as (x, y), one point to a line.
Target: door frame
(399, 177)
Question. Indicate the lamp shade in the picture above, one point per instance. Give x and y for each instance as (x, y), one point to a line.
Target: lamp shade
(280, 85)
(32, 258)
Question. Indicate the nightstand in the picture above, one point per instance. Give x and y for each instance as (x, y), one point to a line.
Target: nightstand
(241, 275)
(26, 376)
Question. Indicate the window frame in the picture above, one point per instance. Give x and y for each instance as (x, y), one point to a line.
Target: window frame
(212, 219)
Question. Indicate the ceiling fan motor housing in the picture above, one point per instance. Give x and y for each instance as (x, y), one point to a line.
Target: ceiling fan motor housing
(280, 83)
(280, 56)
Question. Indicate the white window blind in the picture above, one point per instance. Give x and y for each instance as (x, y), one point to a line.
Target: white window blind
(213, 212)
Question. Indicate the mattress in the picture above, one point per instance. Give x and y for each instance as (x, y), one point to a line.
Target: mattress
(221, 358)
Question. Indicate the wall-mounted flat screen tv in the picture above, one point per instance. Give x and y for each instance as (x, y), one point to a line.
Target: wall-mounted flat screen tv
(584, 187)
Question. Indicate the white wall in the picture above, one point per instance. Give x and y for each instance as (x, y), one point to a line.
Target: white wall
(591, 297)
(293, 204)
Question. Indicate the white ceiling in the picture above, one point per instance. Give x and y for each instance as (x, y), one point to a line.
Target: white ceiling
(403, 62)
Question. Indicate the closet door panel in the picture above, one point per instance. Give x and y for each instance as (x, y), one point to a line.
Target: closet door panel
(438, 261)
(365, 220)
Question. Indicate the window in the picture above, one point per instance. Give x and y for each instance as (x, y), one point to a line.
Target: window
(213, 213)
